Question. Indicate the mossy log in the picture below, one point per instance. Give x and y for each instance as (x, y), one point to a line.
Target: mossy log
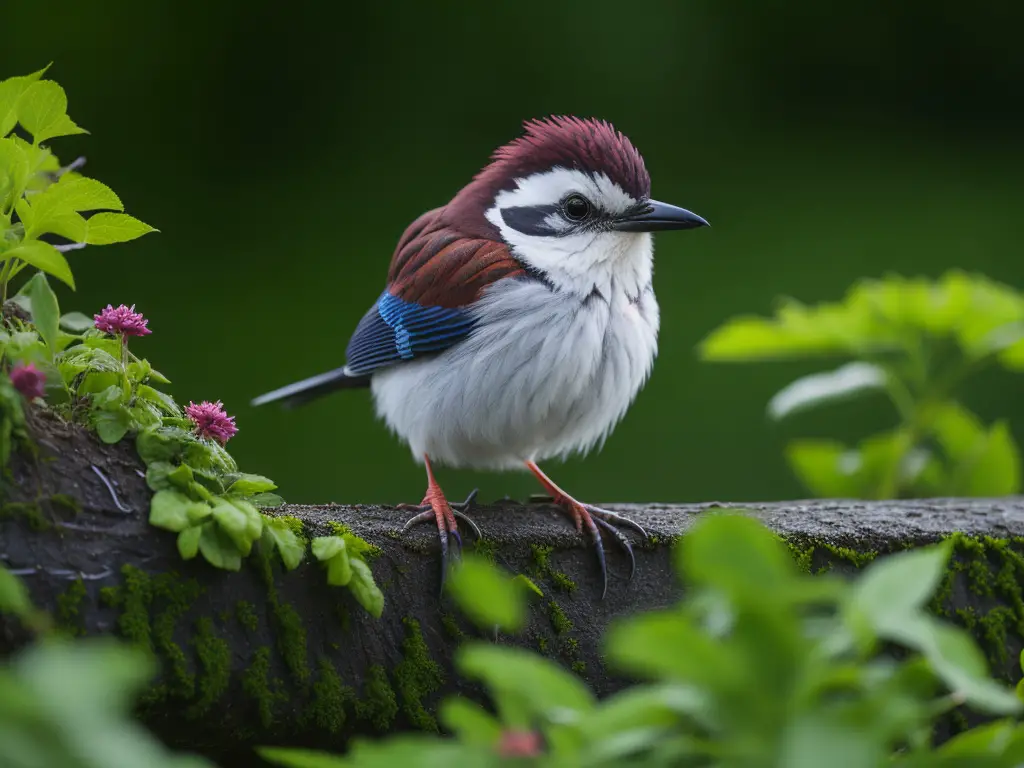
(267, 657)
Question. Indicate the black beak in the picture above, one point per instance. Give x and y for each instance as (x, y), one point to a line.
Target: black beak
(654, 217)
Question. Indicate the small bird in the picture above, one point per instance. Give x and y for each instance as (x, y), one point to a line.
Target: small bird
(519, 321)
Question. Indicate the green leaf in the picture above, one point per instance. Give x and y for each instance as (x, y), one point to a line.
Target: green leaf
(188, 542)
(470, 722)
(290, 546)
(235, 522)
(219, 548)
(326, 547)
(487, 595)
(42, 110)
(14, 168)
(76, 322)
(170, 510)
(266, 500)
(13, 595)
(293, 757)
(45, 310)
(818, 389)
(815, 733)
(11, 90)
(365, 589)
(957, 660)
(161, 443)
(158, 475)
(43, 256)
(107, 228)
(827, 468)
(893, 588)
(72, 194)
(995, 470)
(736, 554)
(112, 425)
(245, 484)
(162, 401)
(549, 689)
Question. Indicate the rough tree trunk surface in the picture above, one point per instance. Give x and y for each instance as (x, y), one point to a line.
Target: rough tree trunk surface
(267, 657)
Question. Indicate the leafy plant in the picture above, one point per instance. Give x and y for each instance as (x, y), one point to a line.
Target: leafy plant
(84, 368)
(917, 341)
(759, 665)
(41, 198)
(344, 556)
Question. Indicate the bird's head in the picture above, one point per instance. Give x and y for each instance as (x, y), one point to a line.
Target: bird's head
(572, 199)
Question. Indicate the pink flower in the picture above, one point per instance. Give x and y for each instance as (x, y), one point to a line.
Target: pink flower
(122, 320)
(28, 380)
(520, 744)
(211, 421)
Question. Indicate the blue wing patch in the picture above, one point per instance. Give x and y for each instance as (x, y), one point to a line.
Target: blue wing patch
(395, 330)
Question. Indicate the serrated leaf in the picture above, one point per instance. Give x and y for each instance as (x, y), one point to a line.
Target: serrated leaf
(365, 589)
(817, 389)
(14, 170)
(71, 195)
(160, 399)
(188, 542)
(169, 510)
(218, 548)
(108, 228)
(266, 500)
(43, 256)
(42, 110)
(11, 90)
(45, 310)
(76, 322)
(161, 443)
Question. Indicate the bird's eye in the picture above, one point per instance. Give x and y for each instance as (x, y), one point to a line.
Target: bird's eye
(576, 207)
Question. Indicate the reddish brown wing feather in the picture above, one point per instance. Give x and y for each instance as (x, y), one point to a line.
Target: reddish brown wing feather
(435, 265)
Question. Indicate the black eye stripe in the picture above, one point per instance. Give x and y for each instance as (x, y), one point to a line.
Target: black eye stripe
(530, 219)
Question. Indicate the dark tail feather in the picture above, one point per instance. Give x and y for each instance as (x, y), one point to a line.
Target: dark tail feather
(301, 392)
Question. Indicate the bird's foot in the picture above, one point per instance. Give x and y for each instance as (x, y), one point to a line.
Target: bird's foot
(594, 520)
(435, 507)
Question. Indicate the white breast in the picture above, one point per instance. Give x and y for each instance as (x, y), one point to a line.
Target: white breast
(544, 374)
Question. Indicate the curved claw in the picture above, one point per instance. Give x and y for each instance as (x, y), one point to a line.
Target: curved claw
(615, 519)
(423, 517)
(621, 538)
(595, 534)
(461, 508)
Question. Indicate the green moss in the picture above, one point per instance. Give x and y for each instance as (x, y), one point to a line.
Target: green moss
(541, 555)
(215, 659)
(66, 501)
(377, 706)
(133, 598)
(802, 555)
(579, 667)
(571, 646)
(451, 627)
(542, 644)
(176, 596)
(68, 609)
(289, 631)
(487, 549)
(330, 698)
(29, 511)
(256, 685)
(846, 554)
(417, 676)
(559, 621)
(245, 612)
(295, 525)
(340, 529)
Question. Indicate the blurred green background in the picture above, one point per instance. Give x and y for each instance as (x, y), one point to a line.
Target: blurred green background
(282, 149)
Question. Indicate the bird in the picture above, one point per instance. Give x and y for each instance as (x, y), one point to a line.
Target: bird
(518, 321)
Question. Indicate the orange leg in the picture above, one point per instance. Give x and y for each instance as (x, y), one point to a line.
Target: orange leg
(594, 520)
(437, 508)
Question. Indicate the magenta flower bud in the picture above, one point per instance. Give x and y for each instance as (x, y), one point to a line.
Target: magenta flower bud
(28, 380)
(122, 320)
(211, 421)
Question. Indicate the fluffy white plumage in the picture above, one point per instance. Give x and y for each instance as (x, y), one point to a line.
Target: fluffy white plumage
(550, 368)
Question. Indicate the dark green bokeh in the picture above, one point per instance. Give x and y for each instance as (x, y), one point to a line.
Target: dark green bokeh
(282, 149)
